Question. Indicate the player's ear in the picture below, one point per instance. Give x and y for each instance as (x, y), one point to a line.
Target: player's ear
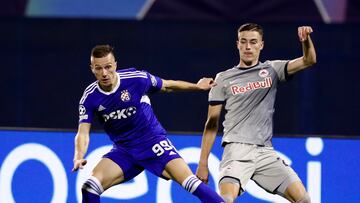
(92, 69)
(262, 45)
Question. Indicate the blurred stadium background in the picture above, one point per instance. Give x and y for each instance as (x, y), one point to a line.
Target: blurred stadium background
(45, 48)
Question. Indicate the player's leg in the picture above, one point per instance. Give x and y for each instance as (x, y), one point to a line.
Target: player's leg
(275, 176)
(229, 189)
(105, 174)
(115, 167)
(180, 172)
(296, 192)
(236, 168)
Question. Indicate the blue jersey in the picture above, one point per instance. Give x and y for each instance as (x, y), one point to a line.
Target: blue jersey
(125, 112)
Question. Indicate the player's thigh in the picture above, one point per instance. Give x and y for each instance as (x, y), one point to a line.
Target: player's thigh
(237, 165)
(295, 191)
(177, 169)
(272, 173)
(108, 173)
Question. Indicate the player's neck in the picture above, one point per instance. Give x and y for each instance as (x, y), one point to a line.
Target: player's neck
(243, 64)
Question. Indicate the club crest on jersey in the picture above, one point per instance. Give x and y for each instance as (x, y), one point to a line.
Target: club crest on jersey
(125, 96)
(263, 73)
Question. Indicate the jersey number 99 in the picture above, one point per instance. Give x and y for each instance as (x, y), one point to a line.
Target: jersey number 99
(161, 147)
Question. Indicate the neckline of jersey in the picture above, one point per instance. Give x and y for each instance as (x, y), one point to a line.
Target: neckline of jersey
(246, 68)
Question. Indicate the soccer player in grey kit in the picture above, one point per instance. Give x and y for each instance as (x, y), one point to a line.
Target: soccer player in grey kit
(248, 92)
(119, 98)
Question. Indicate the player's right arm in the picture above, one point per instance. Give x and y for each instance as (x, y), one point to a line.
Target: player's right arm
(81, 145)
(208, 139)
(177, 85)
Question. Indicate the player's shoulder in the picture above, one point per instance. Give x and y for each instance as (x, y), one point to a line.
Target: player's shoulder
(91, 87)
(226, 72)
(274, 63)
(127, 73)
(89, 90)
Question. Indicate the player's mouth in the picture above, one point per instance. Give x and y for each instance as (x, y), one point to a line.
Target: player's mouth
(105, 80)
(248, 54)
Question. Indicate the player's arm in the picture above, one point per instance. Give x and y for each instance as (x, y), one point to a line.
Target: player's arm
(208, 139)
(309, 54)
(81, 145)
(178, 85)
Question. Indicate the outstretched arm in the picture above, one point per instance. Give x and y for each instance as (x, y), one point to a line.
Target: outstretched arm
(309, 54)
(178, 85)
(81, 145)
(209, 135)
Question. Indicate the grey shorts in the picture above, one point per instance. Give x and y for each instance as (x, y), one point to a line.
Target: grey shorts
(242, 162)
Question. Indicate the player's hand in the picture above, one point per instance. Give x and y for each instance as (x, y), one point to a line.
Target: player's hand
(79, 164)
(202, 172)
(304, 32)
(206, 83)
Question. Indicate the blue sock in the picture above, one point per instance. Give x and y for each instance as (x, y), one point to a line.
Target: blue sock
(91, 190)
(200, 190)
(89, 197)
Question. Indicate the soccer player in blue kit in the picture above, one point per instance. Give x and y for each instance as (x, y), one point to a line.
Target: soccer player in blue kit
(119, 99)
(248, 91)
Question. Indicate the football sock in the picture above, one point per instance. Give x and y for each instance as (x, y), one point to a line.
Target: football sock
(202, 191)
(92, 190)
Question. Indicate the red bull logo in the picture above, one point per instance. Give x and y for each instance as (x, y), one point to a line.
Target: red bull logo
(238, 89)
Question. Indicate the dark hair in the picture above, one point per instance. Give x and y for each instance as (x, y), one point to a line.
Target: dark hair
(251, 27)
(100, 51)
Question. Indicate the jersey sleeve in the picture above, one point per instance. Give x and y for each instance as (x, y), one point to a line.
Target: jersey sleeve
(217, 94)
(153, 83)
(86, 112)
(280, 66)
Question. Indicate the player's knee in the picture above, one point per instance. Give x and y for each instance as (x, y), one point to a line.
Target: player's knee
(304, 199)
(92, 185)
(228, 198)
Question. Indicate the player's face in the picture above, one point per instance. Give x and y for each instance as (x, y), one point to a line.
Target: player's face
(250, 44)
(104, 70)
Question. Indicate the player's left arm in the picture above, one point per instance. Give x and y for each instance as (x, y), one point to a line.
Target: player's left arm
(309, 54)
(178, 85)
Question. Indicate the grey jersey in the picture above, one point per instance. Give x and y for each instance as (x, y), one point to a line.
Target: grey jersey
(249, 96)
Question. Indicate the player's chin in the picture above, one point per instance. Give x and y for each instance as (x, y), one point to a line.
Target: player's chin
(105, 84)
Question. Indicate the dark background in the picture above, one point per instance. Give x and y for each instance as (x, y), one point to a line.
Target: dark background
(45, 68)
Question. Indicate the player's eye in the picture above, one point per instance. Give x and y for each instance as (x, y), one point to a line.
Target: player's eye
(107, 67)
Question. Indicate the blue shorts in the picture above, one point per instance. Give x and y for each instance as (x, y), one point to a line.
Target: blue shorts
(152, 155)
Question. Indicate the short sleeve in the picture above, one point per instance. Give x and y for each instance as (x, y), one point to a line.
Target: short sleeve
(216, 94)
(154, 83)
(86, 112)
(280, 66)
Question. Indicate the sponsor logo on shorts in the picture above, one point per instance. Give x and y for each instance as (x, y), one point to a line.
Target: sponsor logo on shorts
(238, 89)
